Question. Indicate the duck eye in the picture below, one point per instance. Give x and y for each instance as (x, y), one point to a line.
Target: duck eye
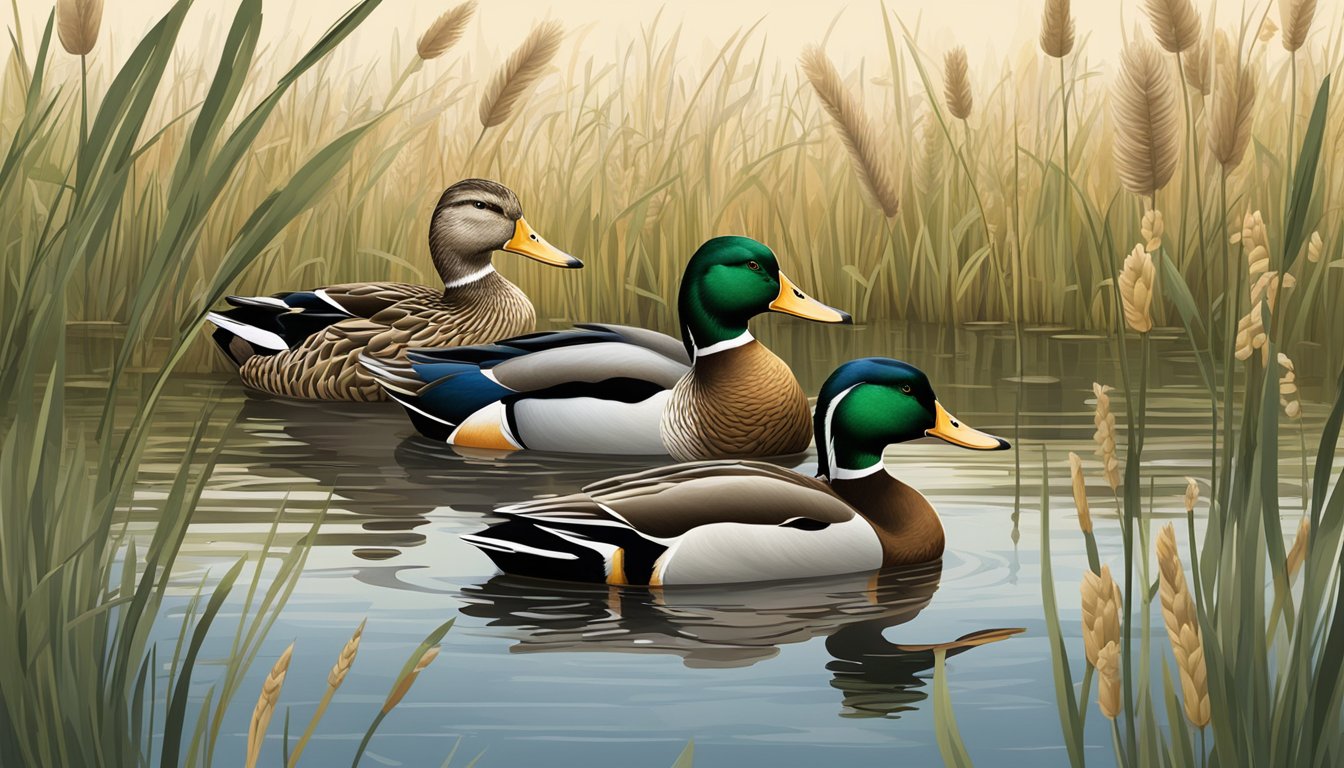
(479, 205)
(754, 265)
(906, 388)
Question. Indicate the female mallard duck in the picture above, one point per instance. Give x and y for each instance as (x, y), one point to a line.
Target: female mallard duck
(306, 344)
(723, 522)
(614, 389)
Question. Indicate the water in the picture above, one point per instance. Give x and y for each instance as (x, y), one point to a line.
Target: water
(796, 674)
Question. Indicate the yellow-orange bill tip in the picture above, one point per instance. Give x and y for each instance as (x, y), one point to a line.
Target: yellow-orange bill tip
(526, 242)
(792, 301)
(950, 429)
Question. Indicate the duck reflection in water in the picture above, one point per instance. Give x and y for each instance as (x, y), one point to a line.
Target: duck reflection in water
(739, 625)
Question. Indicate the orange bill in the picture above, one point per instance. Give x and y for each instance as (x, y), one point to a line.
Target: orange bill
(526, 242)
(792, 301)
(947, 427)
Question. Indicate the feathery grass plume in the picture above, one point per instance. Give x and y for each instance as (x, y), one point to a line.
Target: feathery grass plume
(957, 83)
(397, 694)
(1266, 286)
(523, 69)
(1230, 115)
(1298, 552)
(1152, 228)
(1296, 16)
(855, 130)
(261, 714)
(1197, 68)
(1105, 435)
(1101, 612)
(929, 166)
(335, 677)
(1057, 28)
(77, 23)
(1191, 494)
(1178, 609)
(1268, 30)
(1146, 141)
(1108, 680)
(1136, 289)
(1314, 246)
(1175, 24)
(1080, 492)
(445, 31)
(1288, 397)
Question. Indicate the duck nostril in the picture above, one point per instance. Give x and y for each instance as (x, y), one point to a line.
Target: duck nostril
(956, 424)
(798, 293)
(533, 235)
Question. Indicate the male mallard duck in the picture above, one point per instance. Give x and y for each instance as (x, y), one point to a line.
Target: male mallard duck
(614, 389)
(307, 344)
(721, 522)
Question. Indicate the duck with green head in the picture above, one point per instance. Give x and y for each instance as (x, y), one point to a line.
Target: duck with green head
(615, 389)
(732, 521)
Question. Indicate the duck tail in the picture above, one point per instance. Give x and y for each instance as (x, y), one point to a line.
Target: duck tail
(265, 325)
(437, 396)
(522, 548)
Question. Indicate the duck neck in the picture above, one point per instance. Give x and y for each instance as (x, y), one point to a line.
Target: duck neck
(706, 333)
(905, 521)
(455, 267)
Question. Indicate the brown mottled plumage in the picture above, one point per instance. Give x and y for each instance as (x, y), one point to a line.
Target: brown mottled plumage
(905, 521)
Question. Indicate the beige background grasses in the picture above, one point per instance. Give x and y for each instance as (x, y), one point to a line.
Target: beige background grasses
(652, 132)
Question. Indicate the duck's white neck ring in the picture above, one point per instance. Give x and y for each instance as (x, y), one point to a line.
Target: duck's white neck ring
(843, 473)
(471, 278)
(724, 346)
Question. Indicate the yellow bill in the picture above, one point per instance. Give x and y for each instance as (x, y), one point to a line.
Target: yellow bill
(526, 242)
(947, 427)
(792, 301)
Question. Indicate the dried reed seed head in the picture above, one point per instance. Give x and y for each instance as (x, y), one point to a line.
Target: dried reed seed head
(1314, 246)
(1136, 289)
(1101, 612)
(929, 168)
(1175, 24)
(1152, 227)
(1108, 680)
(1267, 30)
(77, 23)
(398, 693)
(1080, 492)
(1105, 436)
(1230, 114)
(445, 31)
(346, 660)
(1197, 69)
(856, 131)
(957, 83)
(1178, 610)
(1288, 397)
(1057, 28)
(1191, 494)
(1298, 553)
(265, 708)
(1144, 109)
(524, 68)
(1296, 16)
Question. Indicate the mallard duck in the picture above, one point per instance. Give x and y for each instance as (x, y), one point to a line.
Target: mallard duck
(716, 393)
(723, 521)
(306, 344)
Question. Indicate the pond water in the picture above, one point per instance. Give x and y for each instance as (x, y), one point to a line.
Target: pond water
(790, 674)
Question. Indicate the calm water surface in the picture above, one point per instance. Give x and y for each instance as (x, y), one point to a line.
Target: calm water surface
(796, 674)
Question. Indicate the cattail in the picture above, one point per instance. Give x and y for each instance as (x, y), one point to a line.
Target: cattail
(1267, 30)
(399, 692)
(1288, 397)
(1080, 492)
(1298, 553)
(261, 714)
(856, 131)
(957, 83)
(1175, 24)
(1056, 29)
(1101, 612)
(523, 69)
(1296, 16)
(1230, 115)
(445, 31)
(1314, 246)
(1191, 494)
(77, 23)
(1195, 66)
(1152, 228)
(1105, 436)
(1136, 289)
(1108, 680)
(1183, 628)
(1146, 125)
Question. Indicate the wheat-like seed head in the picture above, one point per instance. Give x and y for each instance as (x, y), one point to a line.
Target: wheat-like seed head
(1146, 120)
(1314, 246)
(1080, 492)
(1296, 16)
(261, 713)
(346, 660)
(1136, 289)
(1056, 28)
(957, 83)
(1298, 553)
(929, 168)
(1175, 24)
(77, 23)
(1108, 680)
(399, 692)
(1268, 30)
(1288, 397)
(524, 68)
(1178, 609)
(1105, 436)
(1230, 115)
(1191, 494)
(1101, 612)
(855, 130)
(445, 31)
(1195, 65)
(1152, 227)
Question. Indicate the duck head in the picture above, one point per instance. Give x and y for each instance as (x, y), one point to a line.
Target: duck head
(730, 280)
(475, 218)
(874, 402)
